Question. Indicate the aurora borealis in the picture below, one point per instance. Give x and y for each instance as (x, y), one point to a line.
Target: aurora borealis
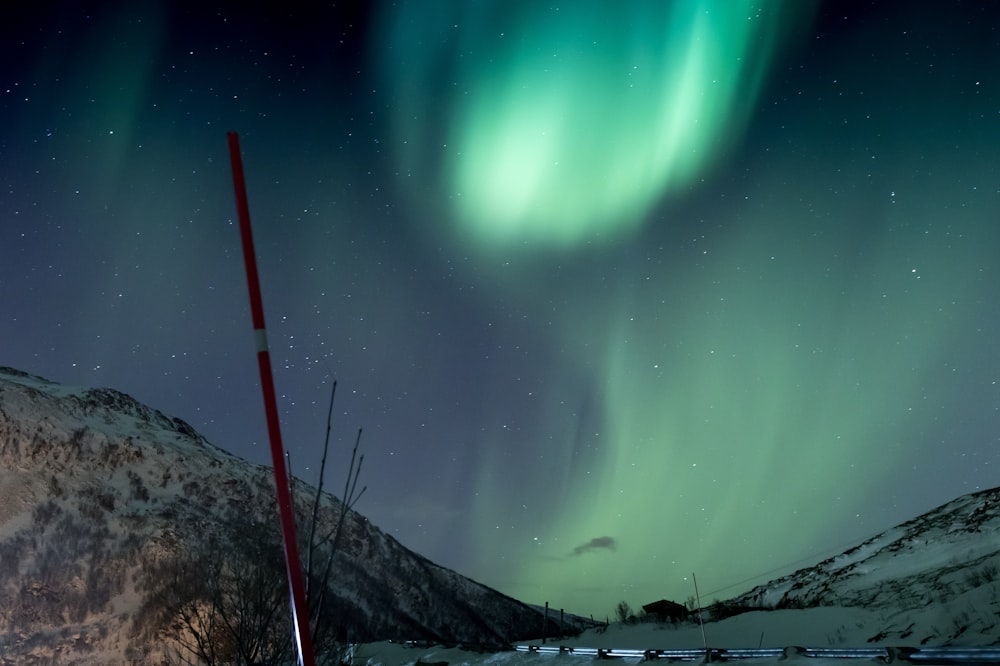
(573, 121)
(617, 294)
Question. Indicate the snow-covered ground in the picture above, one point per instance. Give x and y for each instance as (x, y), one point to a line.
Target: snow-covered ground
(823, 628)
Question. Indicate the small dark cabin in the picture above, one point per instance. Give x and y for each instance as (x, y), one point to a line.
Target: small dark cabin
(666, 610)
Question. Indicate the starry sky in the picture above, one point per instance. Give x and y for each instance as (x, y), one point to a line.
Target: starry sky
(619, 292)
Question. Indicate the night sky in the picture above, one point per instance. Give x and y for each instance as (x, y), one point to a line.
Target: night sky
(618, 291)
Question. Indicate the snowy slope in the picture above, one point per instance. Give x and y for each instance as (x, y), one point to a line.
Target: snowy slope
(96, 489)
(934, 579)
(932, 558)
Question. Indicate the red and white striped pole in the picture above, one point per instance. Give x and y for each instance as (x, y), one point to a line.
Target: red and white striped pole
(286, 515)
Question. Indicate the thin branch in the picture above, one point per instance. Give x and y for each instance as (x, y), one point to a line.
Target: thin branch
(291, 479)
(347, 504)
(319, 491)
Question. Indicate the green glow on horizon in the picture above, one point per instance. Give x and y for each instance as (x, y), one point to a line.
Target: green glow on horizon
(745, 418)
(724, 415)
(566, 125)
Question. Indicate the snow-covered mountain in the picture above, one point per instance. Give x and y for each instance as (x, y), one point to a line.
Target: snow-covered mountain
(98, 492)
(934, 578)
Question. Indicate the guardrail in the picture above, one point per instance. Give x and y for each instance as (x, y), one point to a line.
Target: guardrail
(939, 655)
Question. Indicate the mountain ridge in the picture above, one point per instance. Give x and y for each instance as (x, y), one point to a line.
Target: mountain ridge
(931, 580)
(100, 489)
(878, 571)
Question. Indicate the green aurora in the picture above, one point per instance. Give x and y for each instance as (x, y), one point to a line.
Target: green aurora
(746, 412)
(569, 123)
(728, 411)
(617, 296)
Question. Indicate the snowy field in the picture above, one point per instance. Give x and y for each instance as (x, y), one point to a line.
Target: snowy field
(824, 628)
